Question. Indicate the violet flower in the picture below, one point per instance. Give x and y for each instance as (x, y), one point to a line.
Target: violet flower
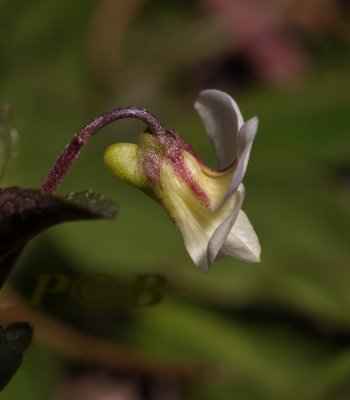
(205, 204)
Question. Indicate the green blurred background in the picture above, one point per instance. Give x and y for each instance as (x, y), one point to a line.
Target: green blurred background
(279, 329)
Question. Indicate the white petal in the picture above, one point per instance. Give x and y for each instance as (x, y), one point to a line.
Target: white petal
(245, 141)
(196, 235)
(242, 241)
(197, 225)
(222, 120)
(218, 237)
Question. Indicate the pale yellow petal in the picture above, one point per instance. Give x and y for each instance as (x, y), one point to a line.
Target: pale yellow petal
(196, 222)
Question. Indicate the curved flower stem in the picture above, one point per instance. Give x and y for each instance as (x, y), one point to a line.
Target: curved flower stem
(80, 139)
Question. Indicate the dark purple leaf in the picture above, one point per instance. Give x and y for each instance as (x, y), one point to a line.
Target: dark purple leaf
(14, 340)
(26, 212)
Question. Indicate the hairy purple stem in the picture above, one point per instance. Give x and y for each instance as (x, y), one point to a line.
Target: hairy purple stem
(80, 139)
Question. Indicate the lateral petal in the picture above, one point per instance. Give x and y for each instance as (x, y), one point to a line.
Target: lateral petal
(245, 141)
(219, 236)
(242, 242)
(198, 224)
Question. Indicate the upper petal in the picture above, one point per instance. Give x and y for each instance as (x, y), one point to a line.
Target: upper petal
(222, 120)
